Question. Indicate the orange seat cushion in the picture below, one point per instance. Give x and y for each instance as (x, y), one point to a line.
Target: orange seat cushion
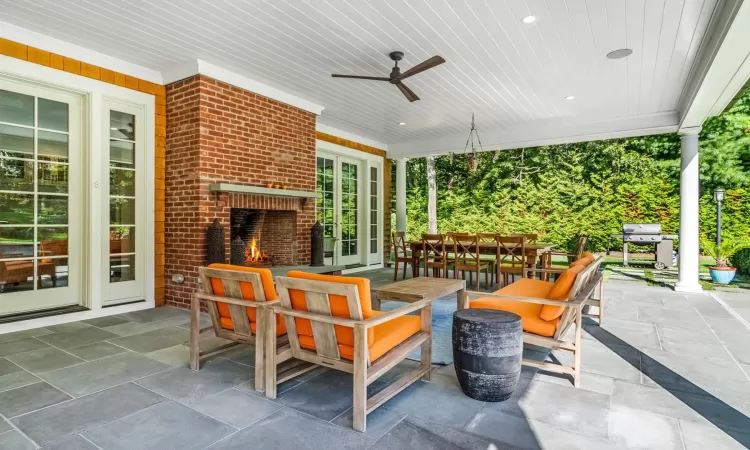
(339, 307)
(530, 313)
(561, 291)
(386, 336)
(266, 279)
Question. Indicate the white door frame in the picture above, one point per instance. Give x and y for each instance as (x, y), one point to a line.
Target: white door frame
(366, 160)
(94, 93)
(72, 293)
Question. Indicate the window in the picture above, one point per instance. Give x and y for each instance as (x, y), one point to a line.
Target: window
(122, 197)
(373, 210)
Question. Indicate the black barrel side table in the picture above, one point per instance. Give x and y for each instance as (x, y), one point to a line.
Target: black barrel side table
(487, 351)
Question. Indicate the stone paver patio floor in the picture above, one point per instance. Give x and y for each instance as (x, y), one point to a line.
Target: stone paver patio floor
(667, 371)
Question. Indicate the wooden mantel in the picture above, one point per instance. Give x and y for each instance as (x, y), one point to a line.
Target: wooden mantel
(258, 190)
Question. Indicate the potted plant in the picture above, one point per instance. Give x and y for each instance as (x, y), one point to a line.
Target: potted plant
(722, 272)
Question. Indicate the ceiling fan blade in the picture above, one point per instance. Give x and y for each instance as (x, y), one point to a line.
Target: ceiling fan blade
(421, 67)
(410, 95)
(359, 77)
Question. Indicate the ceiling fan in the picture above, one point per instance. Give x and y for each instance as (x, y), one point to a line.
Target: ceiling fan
(397, 77)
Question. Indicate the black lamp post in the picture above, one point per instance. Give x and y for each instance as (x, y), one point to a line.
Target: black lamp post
(718, 198)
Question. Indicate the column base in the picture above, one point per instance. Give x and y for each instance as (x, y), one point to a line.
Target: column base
(694, 288)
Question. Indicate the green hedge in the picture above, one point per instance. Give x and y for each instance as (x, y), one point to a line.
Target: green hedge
(741, 260)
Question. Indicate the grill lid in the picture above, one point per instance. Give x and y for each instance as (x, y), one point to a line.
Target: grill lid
(641, 228)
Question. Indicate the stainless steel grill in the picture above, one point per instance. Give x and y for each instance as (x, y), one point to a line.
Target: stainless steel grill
(647, 234)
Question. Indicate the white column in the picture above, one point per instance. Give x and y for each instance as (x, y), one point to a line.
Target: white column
(689, 202)
(401, 194)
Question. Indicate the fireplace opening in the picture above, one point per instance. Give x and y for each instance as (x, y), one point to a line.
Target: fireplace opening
(269, 236)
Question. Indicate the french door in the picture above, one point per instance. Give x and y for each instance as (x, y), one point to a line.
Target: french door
(339, 183)
(41, 198)
(123, 256)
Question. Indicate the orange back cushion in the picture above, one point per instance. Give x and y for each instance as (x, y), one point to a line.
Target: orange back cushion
(560, 291)
(584, 261)
(246, 288)
(339, 305)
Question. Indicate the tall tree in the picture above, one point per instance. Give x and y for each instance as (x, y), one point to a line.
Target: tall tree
(432, 225)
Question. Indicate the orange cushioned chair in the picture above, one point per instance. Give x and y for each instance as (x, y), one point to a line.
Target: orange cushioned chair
(331, 323)
(548, 309)
(237, 298)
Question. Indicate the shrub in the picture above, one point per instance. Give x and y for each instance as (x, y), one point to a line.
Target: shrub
(741, 260)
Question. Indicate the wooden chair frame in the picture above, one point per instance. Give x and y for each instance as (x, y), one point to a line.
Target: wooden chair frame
(326, 351)
(433, 246)
(510, 250)
(241, 334)
(398, 239)
(490, 238)
(466, 255)
(547, 257)
(583, 293)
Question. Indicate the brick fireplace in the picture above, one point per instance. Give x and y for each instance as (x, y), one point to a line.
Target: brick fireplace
(268, 235)
(219, 133)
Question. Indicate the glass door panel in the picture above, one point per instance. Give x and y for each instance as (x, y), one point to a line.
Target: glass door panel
(324, 205)
(40, 198)
(339, 208)
(124, 222)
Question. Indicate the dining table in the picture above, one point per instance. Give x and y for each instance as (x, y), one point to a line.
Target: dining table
(534, 251)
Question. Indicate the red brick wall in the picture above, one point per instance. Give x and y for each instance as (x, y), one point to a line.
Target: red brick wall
(220, 133)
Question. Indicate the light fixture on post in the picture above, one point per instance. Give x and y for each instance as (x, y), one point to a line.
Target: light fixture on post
(472, 133)
(718, 198)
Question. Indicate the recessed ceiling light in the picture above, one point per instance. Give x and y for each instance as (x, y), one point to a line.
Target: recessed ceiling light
(620, 53)
(402, 124)
(529, 19)
(570, 97)
(114, 128)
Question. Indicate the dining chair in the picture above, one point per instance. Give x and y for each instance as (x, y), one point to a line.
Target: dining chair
(434, 255)
(490, 238)
(511, 257)
(398, 239)
(467, 258)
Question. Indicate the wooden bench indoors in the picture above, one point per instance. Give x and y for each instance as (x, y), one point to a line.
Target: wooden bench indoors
(549, 309)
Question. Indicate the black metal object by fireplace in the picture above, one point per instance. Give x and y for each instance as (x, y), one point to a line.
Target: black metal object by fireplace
(648, 234)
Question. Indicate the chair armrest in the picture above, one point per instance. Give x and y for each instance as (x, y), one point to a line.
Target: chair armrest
(398, 312)
(351, 323)
(539, 301)
(236, 301)
(558, 271)
(316, 317)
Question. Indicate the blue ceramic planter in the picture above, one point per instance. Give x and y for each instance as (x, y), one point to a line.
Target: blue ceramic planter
(722, 275)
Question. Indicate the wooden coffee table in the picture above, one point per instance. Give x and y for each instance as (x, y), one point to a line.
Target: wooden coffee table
(419, 288)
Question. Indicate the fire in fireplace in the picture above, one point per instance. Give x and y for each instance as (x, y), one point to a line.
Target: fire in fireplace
(254, 256)
(269, 235)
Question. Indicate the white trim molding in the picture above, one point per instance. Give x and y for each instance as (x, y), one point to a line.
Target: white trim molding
(199, 66)
(551, 132)
(43, 42)
(722, 67)
(350, 136)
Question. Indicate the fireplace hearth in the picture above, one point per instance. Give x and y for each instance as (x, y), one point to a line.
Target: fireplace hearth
(268, 236)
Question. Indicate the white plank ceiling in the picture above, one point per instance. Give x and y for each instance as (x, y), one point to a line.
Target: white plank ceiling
(509, 73)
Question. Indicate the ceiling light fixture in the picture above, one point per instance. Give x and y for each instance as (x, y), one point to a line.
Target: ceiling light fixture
(529, 19)
(619, 53)
(402, 124)
(570, 97)
(114, 128)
